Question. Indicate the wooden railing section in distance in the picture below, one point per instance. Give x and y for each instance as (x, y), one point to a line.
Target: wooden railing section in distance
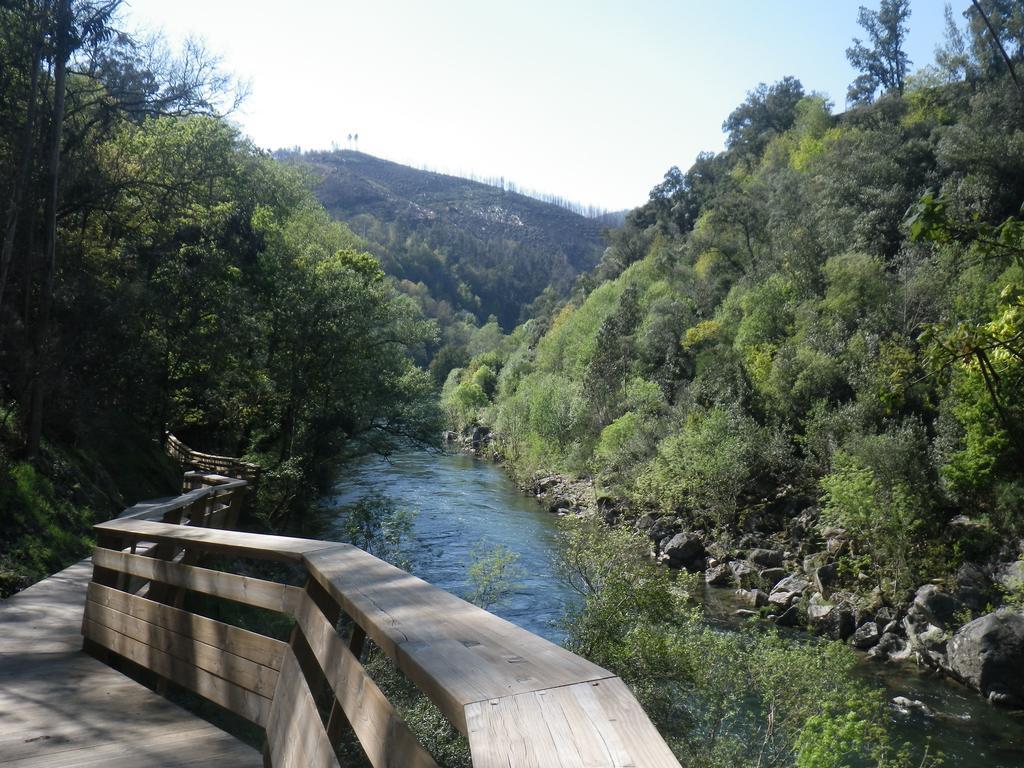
(210, 463)
(521, 700)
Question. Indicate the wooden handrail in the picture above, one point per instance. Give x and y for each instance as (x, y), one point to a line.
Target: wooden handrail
(520, 699)
(209, 462)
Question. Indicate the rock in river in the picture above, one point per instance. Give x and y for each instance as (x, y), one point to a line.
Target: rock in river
(866, 636)
(988, 654)
(890, 647)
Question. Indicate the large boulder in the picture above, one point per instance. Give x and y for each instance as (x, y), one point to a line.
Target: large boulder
(824, 578)
(479, 435)
(545, 484)
(988, 654)
(973, 587)
(765, 558)
(866, 636)
(745, 574)
(685, 550)
(788, 590)
(814, 561)
(719, 575)
(1010, 576)
(834, 620)
(663, 529)
(791, 617)
(753, 597)
(772, 576)
(929, 623)
(890, 647)
(937, 607)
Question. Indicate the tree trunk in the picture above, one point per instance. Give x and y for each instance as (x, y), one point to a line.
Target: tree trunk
(41, 332)
(27, 146)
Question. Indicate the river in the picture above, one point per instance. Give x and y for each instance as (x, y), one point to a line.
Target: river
(461, 503)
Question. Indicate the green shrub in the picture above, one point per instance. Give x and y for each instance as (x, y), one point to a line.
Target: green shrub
(720, 698)
(881, 517)
(40, 533)
(709, 463)
(493, 574)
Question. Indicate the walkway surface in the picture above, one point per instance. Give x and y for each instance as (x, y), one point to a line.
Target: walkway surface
(61, 707)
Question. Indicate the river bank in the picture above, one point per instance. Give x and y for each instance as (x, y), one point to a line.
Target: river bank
(792, 578)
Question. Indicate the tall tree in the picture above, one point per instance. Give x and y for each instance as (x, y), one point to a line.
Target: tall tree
(882, 62)
(997, 33)
(954, 57)
(74, 27)
(998, 36)
(768, 111)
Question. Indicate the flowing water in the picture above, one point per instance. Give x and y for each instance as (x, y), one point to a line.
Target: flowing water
(461, 504)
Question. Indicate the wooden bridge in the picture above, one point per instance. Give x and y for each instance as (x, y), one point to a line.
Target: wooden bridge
(150, 603)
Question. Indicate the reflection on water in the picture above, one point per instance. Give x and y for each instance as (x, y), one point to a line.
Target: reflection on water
(460, 502)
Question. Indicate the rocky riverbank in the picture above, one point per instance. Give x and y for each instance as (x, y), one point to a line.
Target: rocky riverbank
(793, 579)
(950, 627)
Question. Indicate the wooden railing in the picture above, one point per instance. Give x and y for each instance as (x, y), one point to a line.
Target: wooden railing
(521, 700)
(209, 462)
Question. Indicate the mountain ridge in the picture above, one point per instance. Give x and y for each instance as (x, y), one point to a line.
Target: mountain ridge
(471, 244)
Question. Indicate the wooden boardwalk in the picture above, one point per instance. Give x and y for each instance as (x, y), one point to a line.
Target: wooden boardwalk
(520, 700)
(61, 707)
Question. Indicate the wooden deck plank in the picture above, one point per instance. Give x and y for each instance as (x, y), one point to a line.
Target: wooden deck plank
(46, 617)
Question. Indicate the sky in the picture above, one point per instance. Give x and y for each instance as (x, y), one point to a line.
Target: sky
(592, 101)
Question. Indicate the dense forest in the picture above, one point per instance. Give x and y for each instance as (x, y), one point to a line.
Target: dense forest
(827, 311)
(160, 272)
(804, 355)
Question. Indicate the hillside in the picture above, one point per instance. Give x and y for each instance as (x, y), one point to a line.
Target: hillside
(809, 344)
(473, 246)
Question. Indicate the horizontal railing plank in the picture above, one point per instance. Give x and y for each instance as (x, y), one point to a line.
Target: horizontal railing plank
(215, 659)
(255, 545)
(385, 738)
(215, 480)
(249, 705)
(210, 461)
(249, 645)
(241, 589)
(454, 651)
(157, 512)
